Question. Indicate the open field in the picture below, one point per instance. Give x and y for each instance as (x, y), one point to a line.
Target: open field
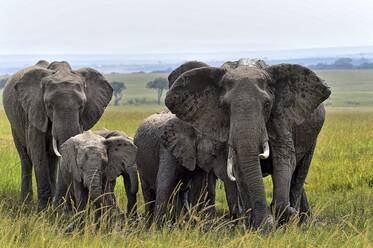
(340, 189)
(350, 88)
(340, 183)
(135, 83)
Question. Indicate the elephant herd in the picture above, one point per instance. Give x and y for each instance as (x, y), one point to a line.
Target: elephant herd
(238, 123)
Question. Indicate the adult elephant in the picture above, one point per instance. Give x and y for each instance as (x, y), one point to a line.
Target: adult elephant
(254, 108)
(46, 104)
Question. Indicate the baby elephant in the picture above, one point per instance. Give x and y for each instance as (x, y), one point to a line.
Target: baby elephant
(89, 166)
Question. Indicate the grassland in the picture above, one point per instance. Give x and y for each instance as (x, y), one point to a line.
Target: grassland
(349, 87)
(135, 83)
(340, 188)
(339, 185)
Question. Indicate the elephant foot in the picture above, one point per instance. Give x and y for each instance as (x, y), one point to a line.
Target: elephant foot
(305, 216)
(284, 214)
(44, 204)
(267, 225)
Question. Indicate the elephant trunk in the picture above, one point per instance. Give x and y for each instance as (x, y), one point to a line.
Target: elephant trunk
(64, 127)
(93, 182)
(132, 173)
(246, 138)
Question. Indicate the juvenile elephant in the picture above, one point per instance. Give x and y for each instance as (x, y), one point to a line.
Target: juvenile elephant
(90, 165)
(171, 151)
(46, 104)
(129, 174)
(255, 108)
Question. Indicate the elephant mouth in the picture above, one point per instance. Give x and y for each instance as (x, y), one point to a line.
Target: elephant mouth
(264, 155)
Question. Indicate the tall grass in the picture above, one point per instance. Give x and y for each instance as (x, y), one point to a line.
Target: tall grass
(339, 186)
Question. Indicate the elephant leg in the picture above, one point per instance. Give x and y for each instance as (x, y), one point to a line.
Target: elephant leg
(26, 170)
(149, 201)
(298, 179)
(40, 159)
(198, 190)
(230, 187)
(53, 165)
(284, 163)
(211, 194)
(61, 191)
(131, 197)
(178, 202)
(80, 195)
(166, 183)
(304, 208)
(231, 193)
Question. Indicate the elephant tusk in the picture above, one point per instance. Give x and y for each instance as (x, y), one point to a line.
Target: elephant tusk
(55, 149)
(230, 166)
(265, 153)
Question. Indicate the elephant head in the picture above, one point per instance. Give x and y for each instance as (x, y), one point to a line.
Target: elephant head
(129, 168)
(252, 107)
(62, 100)
(94, 161)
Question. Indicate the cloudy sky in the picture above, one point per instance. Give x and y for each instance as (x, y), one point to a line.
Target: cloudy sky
(168, 26)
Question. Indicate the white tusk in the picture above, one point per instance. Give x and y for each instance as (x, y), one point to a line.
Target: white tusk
(230, 166)
(265, 153)
(55, 149)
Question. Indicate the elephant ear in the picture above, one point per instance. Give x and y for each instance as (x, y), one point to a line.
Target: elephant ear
(195, 98)
(179, 138)
(29, 90)
(121, 154)
(70, 159)
(98, 93)
(298, 92)
(184, 68)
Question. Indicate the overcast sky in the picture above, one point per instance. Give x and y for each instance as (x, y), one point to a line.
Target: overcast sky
(163, 26)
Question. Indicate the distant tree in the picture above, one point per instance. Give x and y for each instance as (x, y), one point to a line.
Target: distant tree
(158, 84)
(2, 82)
(343, 63)
(118, 88)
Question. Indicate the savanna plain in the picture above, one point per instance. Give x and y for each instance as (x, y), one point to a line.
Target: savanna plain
(339, 185)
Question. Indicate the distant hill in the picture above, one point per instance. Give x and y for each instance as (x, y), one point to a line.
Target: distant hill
(123, 63)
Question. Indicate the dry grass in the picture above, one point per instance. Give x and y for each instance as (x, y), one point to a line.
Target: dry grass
(340, 188)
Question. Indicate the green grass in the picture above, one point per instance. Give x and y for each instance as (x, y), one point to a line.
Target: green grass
(135, 83)
(349, 87)
(339, 185)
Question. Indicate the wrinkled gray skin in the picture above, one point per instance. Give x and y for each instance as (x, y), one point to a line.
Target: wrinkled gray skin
(169, 152)
(245, 104)
(45, 101)
(89, 167)
(129, 174)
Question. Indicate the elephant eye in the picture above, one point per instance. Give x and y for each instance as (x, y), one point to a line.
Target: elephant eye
(267, 105)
